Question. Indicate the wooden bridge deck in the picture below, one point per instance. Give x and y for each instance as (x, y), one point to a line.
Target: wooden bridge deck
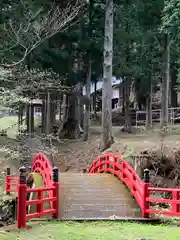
(95, 196)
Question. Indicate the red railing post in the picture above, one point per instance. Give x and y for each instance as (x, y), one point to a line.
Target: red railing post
(8, 173)
(97, 163)
(175, 206)
(146, 193)
(40, 205)
(123, 168)
(22, 193)
(106, 159)
(115, 161)
(56, 192)
(134, 182)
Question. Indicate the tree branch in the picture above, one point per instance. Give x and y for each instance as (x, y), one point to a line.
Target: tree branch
(32, 32)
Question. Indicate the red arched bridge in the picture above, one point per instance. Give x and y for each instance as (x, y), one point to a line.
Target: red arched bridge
(91, 195)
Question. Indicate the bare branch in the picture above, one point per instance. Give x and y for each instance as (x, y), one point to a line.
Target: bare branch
(33, 31)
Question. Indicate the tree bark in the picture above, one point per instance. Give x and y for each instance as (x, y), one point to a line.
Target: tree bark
(64, 108)
(149, 107)
(86, 124)
(173, 102)
(120, 95)
(53, 110)
(20, 117)
(27, 117)
(77, 115)
(127, 114)
(107, 138)
(43, 116)
(32, 118)
(94, 100)
(71, 127)
(165, 84)
(48, 120)
(63, 112)
(60, 102)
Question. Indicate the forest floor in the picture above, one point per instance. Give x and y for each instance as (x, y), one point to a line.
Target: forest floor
(71, 155)
(161, 154)
(72, 152)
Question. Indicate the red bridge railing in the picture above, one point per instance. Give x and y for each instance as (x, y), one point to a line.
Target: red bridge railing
(17, 184)
(23, 203)
(11, 182)
(173, 201)
(140, 189)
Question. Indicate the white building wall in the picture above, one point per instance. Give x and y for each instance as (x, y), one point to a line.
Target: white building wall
(115, 81)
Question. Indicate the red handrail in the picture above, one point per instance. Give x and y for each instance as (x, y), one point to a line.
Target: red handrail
(11, 181)
(124, 171)
(142, 191)
(173, 201)
(23, 190)
(42, 165)
(22, 216)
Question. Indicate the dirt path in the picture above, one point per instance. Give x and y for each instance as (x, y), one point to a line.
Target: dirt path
(72, 153)
(77, 154)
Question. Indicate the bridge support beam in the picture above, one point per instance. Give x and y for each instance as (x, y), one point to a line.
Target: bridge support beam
(56, 192)
(146, 193)
(22, 191)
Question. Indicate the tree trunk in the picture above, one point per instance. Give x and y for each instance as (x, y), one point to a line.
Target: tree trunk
(60, 102)
(120, 96)
(63, 112)
(32, 118)
(82, 109)
(71, 127)
(77, 115)
(107, 138)
(173, 89)
(20, 117)
(165, 84)
(48, 120)
(127, 114)
(123, 97)
(53, 108)
(64, 108)
(149, 107)
(27, 117)
(86, 124)
(95, 99)
(43, 116)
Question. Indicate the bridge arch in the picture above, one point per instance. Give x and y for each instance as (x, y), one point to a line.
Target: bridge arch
(120, 168)
(42, 165)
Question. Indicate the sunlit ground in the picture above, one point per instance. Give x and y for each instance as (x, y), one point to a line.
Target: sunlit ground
(11, 124)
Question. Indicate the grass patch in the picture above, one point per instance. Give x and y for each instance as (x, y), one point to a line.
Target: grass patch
(94, 231)
(11, 122)
(7, 122)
